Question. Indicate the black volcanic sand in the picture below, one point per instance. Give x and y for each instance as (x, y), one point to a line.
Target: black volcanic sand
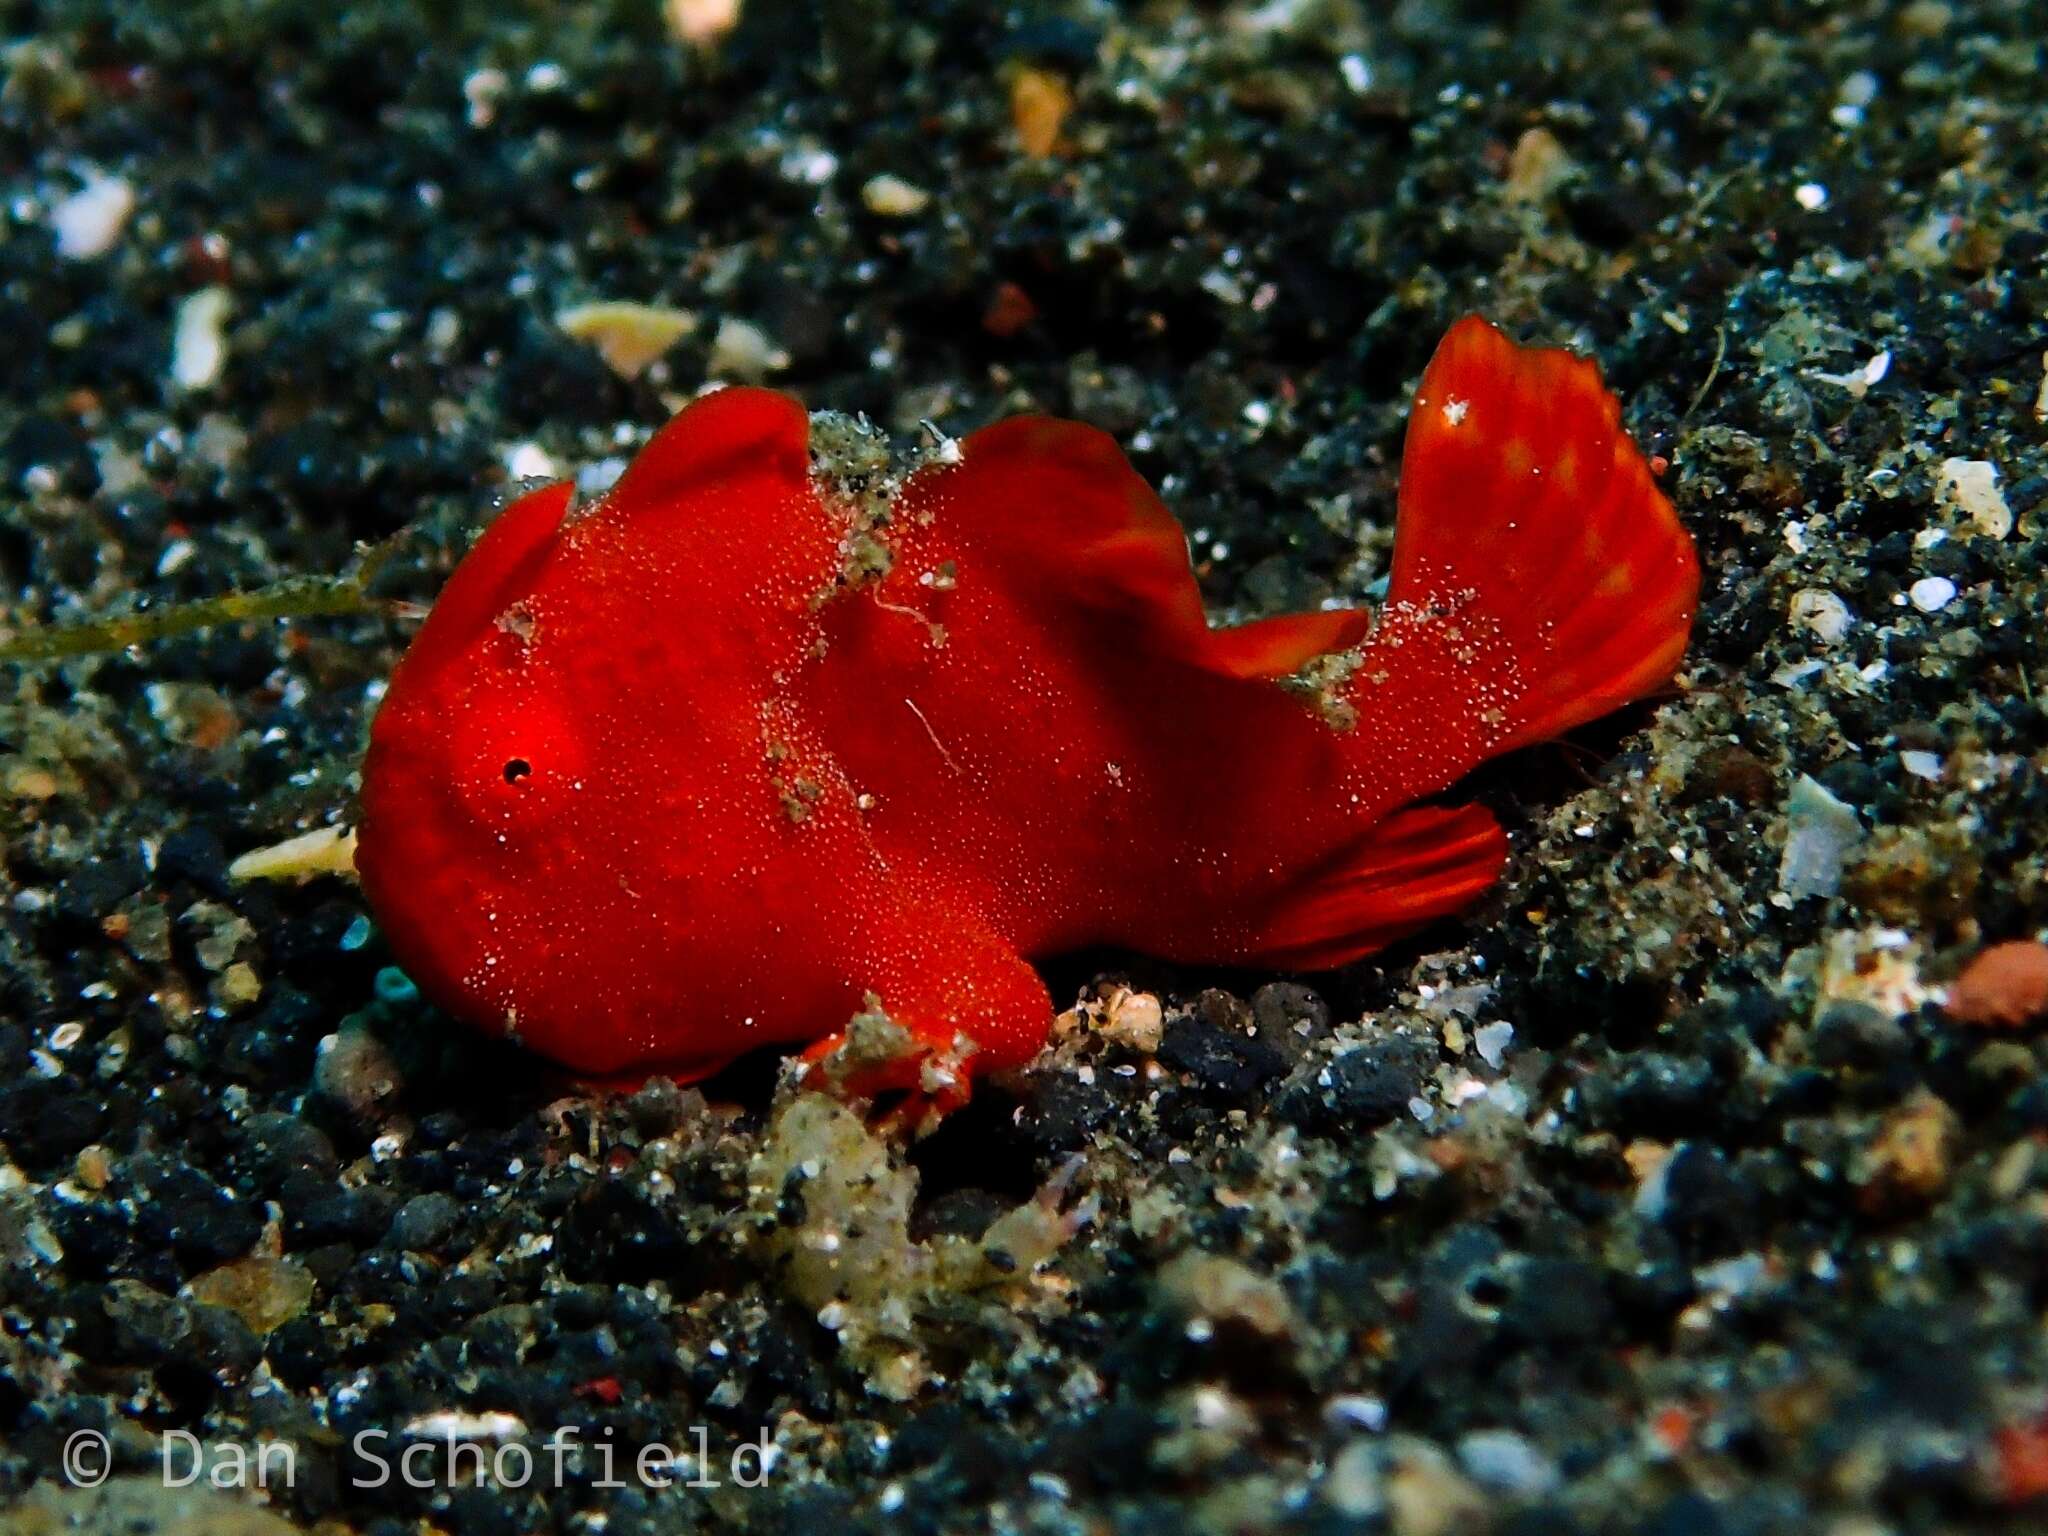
(1657, 1195)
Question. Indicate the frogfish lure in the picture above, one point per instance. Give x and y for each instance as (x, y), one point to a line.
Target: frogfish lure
(739, 751)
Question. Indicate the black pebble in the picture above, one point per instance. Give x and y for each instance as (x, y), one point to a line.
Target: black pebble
(317, 1211)
(195, 854)
(1060, 1111)
(1290, 1016)
(1555, 1302)
(1220, 1046)
(1656, 1093)
(180, 1207)
(222, 1343)
(1849, 1034)
(1707, 1204)
(45, 1125)
(96, 888)
(276, 1145)
(424, 1223)
(1360, 1089)
(959, 1213)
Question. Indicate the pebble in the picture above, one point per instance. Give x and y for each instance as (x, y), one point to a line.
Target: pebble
(1557, 1303)
(141, 1504)
(742, 352)
(1537, 167)
(1656, 1093)
(199, 347)
(1219, 1046)
(264, 1293)
(147, 1326)
(529, 461)
(1039, 104)
(1931, 594)
(1909, 1161)
(891, 197)
(1354, 1411)
(1853, 1034)
(701, 23)
(1492, 1041)
(1061, 1112)
(90, 220)
(1290, 1015)
(1822, 613)
(181, 1208)
(1820, 834)
(1971, 487)
(2003, 987)
(1134, 1020)
(1361, 1089)
(319, 1211)
(1700, 1198)
(1354, 1486)
(276, 1144)
(1923, 765)
(218, 932)
(1210, 1288)
(1506, 1463)
(1427, 1496)
(356, 1070)
(425, 1222)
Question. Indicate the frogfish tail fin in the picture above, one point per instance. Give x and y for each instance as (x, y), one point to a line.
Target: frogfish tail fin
(1530, 523)
(1540, 578)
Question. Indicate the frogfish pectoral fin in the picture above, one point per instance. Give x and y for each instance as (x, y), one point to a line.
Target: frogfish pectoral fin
(947, 1001)
(1410, 869)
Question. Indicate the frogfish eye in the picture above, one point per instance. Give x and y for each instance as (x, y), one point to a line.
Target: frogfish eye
(517, 768)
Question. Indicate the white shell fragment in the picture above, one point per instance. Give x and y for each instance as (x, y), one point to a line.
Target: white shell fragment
(1971, 487)
(742, 351)
(1820, 611)
(1820, 834)
(1931, 594)
(90, 220)
(1859, 382)
(892, 197)
(529, 461)
(199, 345)
(629, 337)
(1492, 1040)
(701, 23)
(1922, 765)
(323, 851)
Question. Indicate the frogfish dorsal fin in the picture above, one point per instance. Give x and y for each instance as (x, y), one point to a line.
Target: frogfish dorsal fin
(727, 434)
(1060, 508)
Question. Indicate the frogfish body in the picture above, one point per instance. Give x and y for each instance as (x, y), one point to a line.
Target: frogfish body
(743, 749)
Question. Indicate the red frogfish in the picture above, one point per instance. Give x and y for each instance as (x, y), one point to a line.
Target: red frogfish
(741, 750)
